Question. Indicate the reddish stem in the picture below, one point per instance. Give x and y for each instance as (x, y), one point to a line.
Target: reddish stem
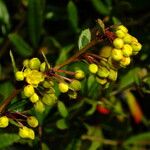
(74, 57)
(8, 100)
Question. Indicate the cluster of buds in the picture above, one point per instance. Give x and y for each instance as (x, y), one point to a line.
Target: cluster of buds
(41, 80)
(22, 121)
(73, 85)
(39, 89)
(39, 83)
(115, 56)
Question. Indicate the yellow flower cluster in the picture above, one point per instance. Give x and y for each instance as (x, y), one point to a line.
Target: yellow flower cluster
(116, 56)
(33, 74)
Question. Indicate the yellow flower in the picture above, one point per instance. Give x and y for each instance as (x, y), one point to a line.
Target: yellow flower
(26, 132)
(34, 77)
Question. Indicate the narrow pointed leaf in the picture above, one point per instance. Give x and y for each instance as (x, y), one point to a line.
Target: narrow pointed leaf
(35, 17)
(73, 15)
(22, 48)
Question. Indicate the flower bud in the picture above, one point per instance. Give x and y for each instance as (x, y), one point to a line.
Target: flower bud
(19, 76)
(127, 50)
(112, 75)
(118, 43)
(32, 121)
(136, 46)
(116, 54)
(93, 68)
(4, 121)
(39, 106)
(34, 63)
(103, 72)
(26, 63)
(43, 67)
(105, 51)
(49, 99)
(120, 34)
(28, 90)
(101, 81)
(123, 28)
(63, 87)
(79, 74)
(125, 61)
(75, 85)
(134, 39)
(26, 132)
(34, 98)
(48, 84)
(127, 39)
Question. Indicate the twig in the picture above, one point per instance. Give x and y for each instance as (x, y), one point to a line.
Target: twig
(8, 100)
(96, 138)
(71, 59)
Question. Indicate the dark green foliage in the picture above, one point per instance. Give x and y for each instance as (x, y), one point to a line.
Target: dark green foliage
(60, 28)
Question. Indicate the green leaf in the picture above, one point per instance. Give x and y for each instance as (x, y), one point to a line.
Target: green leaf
(143, 137)
(61, 124)
(129, 78)
(62, 109)
(35, 19)
(22, 47)
(101, 25)
(73, 15)
(84, 38)
(4, 17)
(101, 7)
(8, 139)
(91, 81)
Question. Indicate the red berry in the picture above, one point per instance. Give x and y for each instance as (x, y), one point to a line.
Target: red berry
(102, 110)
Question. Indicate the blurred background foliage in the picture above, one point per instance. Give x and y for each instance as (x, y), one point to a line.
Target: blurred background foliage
(28, 27)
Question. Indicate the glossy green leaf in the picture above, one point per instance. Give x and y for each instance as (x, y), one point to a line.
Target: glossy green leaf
(35, 19)
(8, 139)
(84, 38)
(61, 124)
(73, 15)
(62, 109)
(101, 7)
(22, 48)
